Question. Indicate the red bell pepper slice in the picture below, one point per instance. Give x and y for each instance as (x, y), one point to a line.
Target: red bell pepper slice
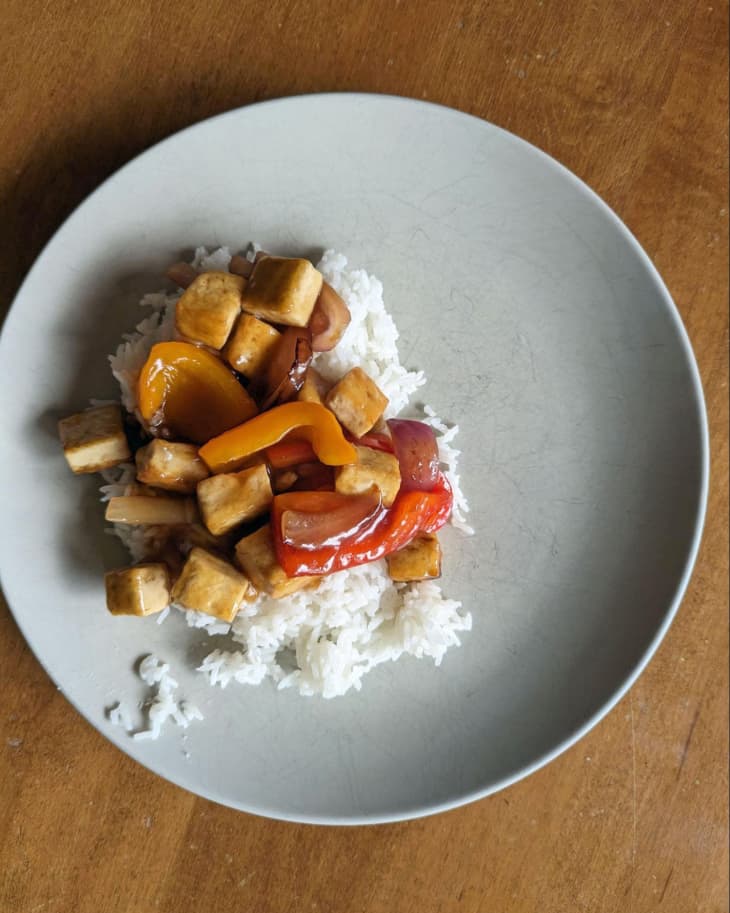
(290, 452)
(389, 529)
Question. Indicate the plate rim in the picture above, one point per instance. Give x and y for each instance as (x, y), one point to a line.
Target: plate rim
(426, 809)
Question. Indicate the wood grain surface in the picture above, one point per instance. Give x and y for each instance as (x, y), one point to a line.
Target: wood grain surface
(632, 96)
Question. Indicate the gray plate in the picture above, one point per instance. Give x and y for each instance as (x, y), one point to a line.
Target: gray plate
(546, 334)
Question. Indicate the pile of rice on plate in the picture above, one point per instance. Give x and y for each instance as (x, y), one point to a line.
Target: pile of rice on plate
(321, 641)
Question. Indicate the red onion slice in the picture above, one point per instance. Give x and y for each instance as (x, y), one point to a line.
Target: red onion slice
(376, 440)
(417, 451)
(182, 274)
(330, 318)
(241, 266)
(327, 517)
(288, 367)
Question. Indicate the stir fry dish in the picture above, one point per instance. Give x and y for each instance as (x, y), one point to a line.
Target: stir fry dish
(258, 475)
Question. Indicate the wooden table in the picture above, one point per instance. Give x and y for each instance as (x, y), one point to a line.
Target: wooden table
(632, 96)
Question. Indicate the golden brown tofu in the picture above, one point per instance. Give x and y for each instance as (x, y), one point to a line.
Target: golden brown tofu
(140, 590)
(231, 498)
(357, 401)
(373, 467)
(251, 345)
(94, 439)
(208, 308)
(282, 290)
(419, 560)
(211, 585)
(256, 556)
(314, 389)
(170, 465)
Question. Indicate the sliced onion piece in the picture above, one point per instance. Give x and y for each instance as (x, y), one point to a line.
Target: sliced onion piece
(330, 318)
(376, 440)
(325, 518)
(160, 511)
(241, 266)
(182, 274)
(288, 367)
(417, 451)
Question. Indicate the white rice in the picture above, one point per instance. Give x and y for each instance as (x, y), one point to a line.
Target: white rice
(370, 340)
(119, 716)
(320, 641)
(354, 621)
(160, 706)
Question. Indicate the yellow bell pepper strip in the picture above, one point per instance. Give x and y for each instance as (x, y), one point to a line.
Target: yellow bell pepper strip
(311, 422)
(187, 392)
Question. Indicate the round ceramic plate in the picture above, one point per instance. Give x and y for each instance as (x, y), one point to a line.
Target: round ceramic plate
(546, 334)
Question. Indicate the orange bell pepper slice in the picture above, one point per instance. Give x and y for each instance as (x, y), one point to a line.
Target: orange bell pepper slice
(190, 393)
(311, 421)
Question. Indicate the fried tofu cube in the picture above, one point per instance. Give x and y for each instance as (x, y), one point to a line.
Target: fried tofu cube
(94, 439)
(314, 389)
(210, 585)
(170, 465)
(357, 401)
(282, 290)
(419, 560)
(256, 556)
(373, 467)
(140, 590)
(251, 345)
(231, 498)
(208, 308)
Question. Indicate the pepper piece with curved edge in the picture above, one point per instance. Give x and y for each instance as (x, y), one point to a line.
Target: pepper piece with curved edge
(387, 529)
(187, 392)
(311, 422)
